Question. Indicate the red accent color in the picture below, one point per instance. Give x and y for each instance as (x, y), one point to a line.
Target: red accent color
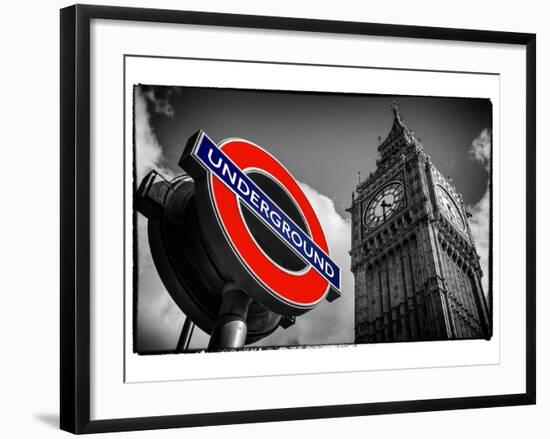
(304, 289)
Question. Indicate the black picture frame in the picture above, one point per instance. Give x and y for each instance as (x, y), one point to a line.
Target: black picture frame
(75, 217)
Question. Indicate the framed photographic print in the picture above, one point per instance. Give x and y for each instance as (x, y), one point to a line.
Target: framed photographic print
(269, 218)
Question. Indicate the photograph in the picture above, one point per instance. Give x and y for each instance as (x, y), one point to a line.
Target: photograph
(272, 219)
(275, 215)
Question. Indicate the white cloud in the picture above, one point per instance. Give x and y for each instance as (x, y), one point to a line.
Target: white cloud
(148, 151)
(159, 318)
(481, 148)
(328, 323)
(479, 222)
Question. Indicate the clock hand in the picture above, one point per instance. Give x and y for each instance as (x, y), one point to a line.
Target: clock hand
(384, 205)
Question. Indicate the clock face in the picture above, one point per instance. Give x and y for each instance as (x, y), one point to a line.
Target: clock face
(384, 204)
(450, 208)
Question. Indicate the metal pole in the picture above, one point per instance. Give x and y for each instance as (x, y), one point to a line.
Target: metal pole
(185, 336)
(230, 329)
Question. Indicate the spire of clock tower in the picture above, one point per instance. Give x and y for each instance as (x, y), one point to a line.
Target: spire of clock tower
(396, 112)
(397, 139)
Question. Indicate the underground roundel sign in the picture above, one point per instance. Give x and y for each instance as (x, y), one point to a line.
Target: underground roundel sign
(259, 225)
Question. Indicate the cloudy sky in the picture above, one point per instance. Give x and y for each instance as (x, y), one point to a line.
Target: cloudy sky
(324, 140)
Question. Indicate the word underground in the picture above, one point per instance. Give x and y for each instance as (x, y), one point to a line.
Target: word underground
(217, 162)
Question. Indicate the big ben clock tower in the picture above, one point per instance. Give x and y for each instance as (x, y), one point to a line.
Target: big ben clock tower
(417, 272)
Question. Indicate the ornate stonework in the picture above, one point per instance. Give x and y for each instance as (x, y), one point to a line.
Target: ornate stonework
(417, 273)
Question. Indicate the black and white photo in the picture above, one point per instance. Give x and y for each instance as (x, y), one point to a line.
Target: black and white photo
(400, 184)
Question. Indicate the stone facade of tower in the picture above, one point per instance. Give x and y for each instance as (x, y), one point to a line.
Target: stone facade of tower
(417, 272)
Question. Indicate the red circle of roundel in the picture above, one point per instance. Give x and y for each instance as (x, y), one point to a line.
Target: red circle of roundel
(304, 288)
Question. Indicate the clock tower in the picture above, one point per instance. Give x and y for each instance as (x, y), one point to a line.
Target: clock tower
(417, 272)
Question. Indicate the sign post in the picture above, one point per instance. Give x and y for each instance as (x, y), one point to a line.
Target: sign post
(230, 328)
(185, 335)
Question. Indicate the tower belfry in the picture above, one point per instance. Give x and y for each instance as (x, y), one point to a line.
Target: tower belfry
(417, 272)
